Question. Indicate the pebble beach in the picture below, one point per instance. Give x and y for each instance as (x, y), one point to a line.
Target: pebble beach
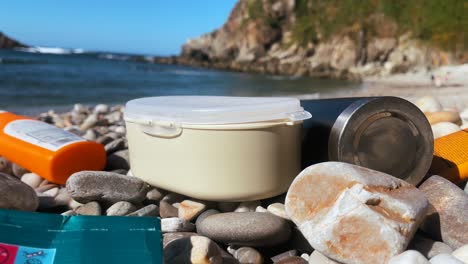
(304, 225)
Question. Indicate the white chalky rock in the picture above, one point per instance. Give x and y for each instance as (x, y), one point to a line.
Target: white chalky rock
(444, 128)
(428, 104)
(353, 214)
(409, 257)
(445, 259)
(462, 253)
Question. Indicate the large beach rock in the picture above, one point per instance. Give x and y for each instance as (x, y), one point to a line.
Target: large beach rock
(447, 217)
(16, 194)
(108, 187)
(353, 214)
(245, 229)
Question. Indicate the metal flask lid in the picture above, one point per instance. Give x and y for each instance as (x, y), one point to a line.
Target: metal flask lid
(387, 134)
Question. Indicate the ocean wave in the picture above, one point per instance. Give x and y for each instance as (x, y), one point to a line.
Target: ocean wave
(49, 50)
(110, 56)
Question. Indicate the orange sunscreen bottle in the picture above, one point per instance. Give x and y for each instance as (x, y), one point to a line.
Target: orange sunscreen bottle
(46, 150)
(451, 156)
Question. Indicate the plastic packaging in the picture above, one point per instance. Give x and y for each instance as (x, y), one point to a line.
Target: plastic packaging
(39, 238)
(451, 156)
(51, 152)
(216, 148)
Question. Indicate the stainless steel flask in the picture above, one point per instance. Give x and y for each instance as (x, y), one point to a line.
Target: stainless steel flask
(387, 134)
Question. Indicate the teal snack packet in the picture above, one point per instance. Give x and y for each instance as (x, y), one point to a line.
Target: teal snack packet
(39, 238)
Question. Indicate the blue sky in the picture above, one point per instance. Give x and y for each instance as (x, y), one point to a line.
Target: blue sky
(147, 27)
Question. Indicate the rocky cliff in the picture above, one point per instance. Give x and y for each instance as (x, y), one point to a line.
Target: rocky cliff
(8, 43)
(334, 38)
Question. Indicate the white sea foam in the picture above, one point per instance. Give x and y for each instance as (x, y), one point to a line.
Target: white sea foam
(51, 50)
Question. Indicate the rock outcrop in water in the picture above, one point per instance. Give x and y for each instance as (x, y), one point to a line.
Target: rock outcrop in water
(9, 43)
(344, 39)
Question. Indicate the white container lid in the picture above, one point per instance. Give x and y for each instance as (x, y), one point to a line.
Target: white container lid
(213, 110)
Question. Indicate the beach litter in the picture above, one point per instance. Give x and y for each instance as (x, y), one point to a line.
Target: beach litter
(333, 212)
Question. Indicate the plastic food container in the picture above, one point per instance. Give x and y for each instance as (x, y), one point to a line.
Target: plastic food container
(216, 148)
(387, 134)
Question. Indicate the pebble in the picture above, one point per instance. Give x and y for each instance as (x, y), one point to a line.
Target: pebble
(6, 166)
(120, 209)
(17, 195)
(292, 260)
(466, 188)
(353, 214)
(166, 210)
(245, 229)
(169, 237)
(90, 134)
(289, 253)
(461, 253)
(116, 145)
(278, 209)
(63, 197)
(46, 187)
(118, 160)
(444, 116)
(149, 210)
(193, 249)
(74, 204)
(52, 192)
(101, 109)
(155, 195)
(91, 208)
(445, 259)
(248, 255)
(409, 257)
(32, 179)
(175, 224)
(443, 129)
(105, 139)
(89, 122)
(120, 130)
(79, 108)
(447, 217)
(261, 209)
(428, 247)
(18, 171)
(318, 258)
(189, 209)
(247, 206)
(173, 198)
(428, 104)
(108, 187)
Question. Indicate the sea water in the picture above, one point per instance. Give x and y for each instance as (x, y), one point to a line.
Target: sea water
(32, 82)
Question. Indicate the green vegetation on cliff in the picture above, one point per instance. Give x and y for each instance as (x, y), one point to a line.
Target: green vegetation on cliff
(443, 23)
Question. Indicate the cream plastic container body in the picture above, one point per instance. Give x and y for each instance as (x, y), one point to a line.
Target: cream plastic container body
(218, 162)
